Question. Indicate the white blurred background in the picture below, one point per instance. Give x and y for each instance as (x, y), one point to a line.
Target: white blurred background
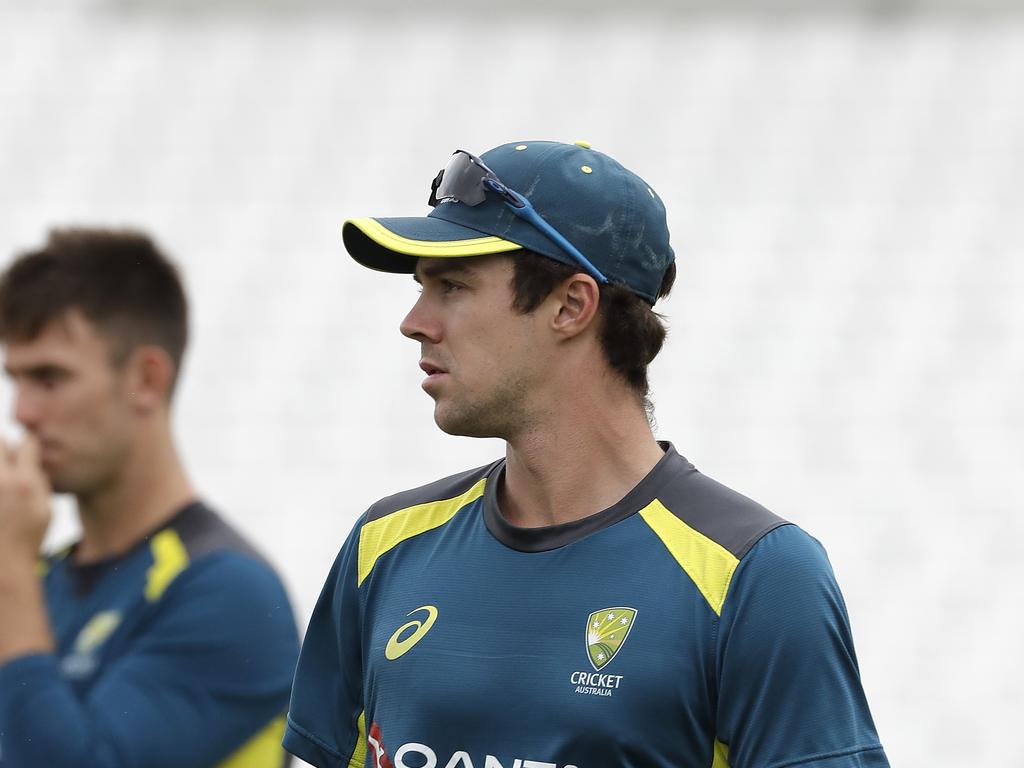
(844, 192)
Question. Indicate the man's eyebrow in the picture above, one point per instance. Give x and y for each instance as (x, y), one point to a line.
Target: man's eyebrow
(438, 268)
(35, 371)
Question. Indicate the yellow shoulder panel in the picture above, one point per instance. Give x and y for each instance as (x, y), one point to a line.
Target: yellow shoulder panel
(358, 759)
(263, 750)
(169, 559)
(707, 563)
(385, 533)
(721, 755)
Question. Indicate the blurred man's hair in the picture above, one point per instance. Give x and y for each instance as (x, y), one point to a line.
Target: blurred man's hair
(631, 333)
(118, 279)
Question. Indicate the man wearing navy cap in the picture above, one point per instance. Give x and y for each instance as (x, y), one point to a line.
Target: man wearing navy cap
(590, 599)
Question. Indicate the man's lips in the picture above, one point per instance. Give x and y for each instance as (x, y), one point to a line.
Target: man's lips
(48, 449)
(431, 369)
(435, 374)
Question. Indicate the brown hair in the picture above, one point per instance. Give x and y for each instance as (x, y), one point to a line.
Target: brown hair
(118, 279)
(631, 333)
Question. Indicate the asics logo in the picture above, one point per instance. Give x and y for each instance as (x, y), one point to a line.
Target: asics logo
(398, 645)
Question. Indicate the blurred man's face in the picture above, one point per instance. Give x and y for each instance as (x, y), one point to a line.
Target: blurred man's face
(71, 396)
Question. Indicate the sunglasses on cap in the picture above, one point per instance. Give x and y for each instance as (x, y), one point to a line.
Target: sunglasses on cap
(467, 180)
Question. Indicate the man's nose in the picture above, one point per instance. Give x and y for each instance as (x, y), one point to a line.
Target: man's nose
(28, 409)
(419, 325)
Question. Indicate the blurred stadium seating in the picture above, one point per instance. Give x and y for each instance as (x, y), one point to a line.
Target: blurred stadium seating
(845, 196)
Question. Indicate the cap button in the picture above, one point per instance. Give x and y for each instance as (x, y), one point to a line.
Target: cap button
(584, 144)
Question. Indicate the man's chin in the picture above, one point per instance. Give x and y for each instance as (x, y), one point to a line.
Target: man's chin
(57, 485)
(463, 424)
(446, 424)
(59, 481)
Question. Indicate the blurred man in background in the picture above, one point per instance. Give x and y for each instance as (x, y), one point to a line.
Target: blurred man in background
(590, 599)
(160, 638)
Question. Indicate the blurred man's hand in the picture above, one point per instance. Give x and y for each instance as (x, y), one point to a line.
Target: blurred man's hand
(24, 500)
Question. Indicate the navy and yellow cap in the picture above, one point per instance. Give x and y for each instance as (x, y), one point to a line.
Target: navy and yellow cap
(607, 212)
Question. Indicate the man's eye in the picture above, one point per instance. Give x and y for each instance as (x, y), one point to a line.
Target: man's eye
(49, 379)
(448, 286)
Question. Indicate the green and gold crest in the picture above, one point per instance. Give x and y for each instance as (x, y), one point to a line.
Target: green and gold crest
(96, 631)
(607, 630)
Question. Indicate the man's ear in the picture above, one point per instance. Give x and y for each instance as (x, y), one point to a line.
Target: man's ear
(149, 377)
(577, 300)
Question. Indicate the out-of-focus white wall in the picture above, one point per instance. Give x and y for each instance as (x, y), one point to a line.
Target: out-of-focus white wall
(847, 340)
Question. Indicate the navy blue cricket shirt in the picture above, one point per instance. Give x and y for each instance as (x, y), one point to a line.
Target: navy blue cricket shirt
(177, 654)
(684, 626)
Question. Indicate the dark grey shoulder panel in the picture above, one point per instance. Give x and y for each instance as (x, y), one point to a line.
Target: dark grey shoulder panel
(439, 490)
(720, 513)
(203, 531)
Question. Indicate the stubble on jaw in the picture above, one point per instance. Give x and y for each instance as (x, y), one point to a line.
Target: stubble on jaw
(501, 413)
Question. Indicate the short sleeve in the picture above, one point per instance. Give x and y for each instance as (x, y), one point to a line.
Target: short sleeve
(325, 720)
(789, 689)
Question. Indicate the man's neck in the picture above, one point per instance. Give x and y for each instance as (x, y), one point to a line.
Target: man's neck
(585, 456)
(148, 491)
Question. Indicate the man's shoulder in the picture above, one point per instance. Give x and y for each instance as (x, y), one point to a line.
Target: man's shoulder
(203, 531)
(203, 559)
(446, 490)
(728, 518)
(200, 544)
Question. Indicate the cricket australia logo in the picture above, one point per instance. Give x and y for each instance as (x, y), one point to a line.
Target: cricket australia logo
(83, 660)
(607, 630)
(606, 633)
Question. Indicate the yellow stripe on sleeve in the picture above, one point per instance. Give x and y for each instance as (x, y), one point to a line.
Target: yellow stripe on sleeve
(381, 535)
(706, 562)
(263, 750)
(358, 758)
(169, 559)
(477, 246)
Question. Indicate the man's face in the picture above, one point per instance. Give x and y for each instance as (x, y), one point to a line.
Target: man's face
(69, 394)
(482, 358)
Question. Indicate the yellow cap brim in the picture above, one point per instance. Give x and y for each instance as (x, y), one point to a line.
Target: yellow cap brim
(394, 244)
